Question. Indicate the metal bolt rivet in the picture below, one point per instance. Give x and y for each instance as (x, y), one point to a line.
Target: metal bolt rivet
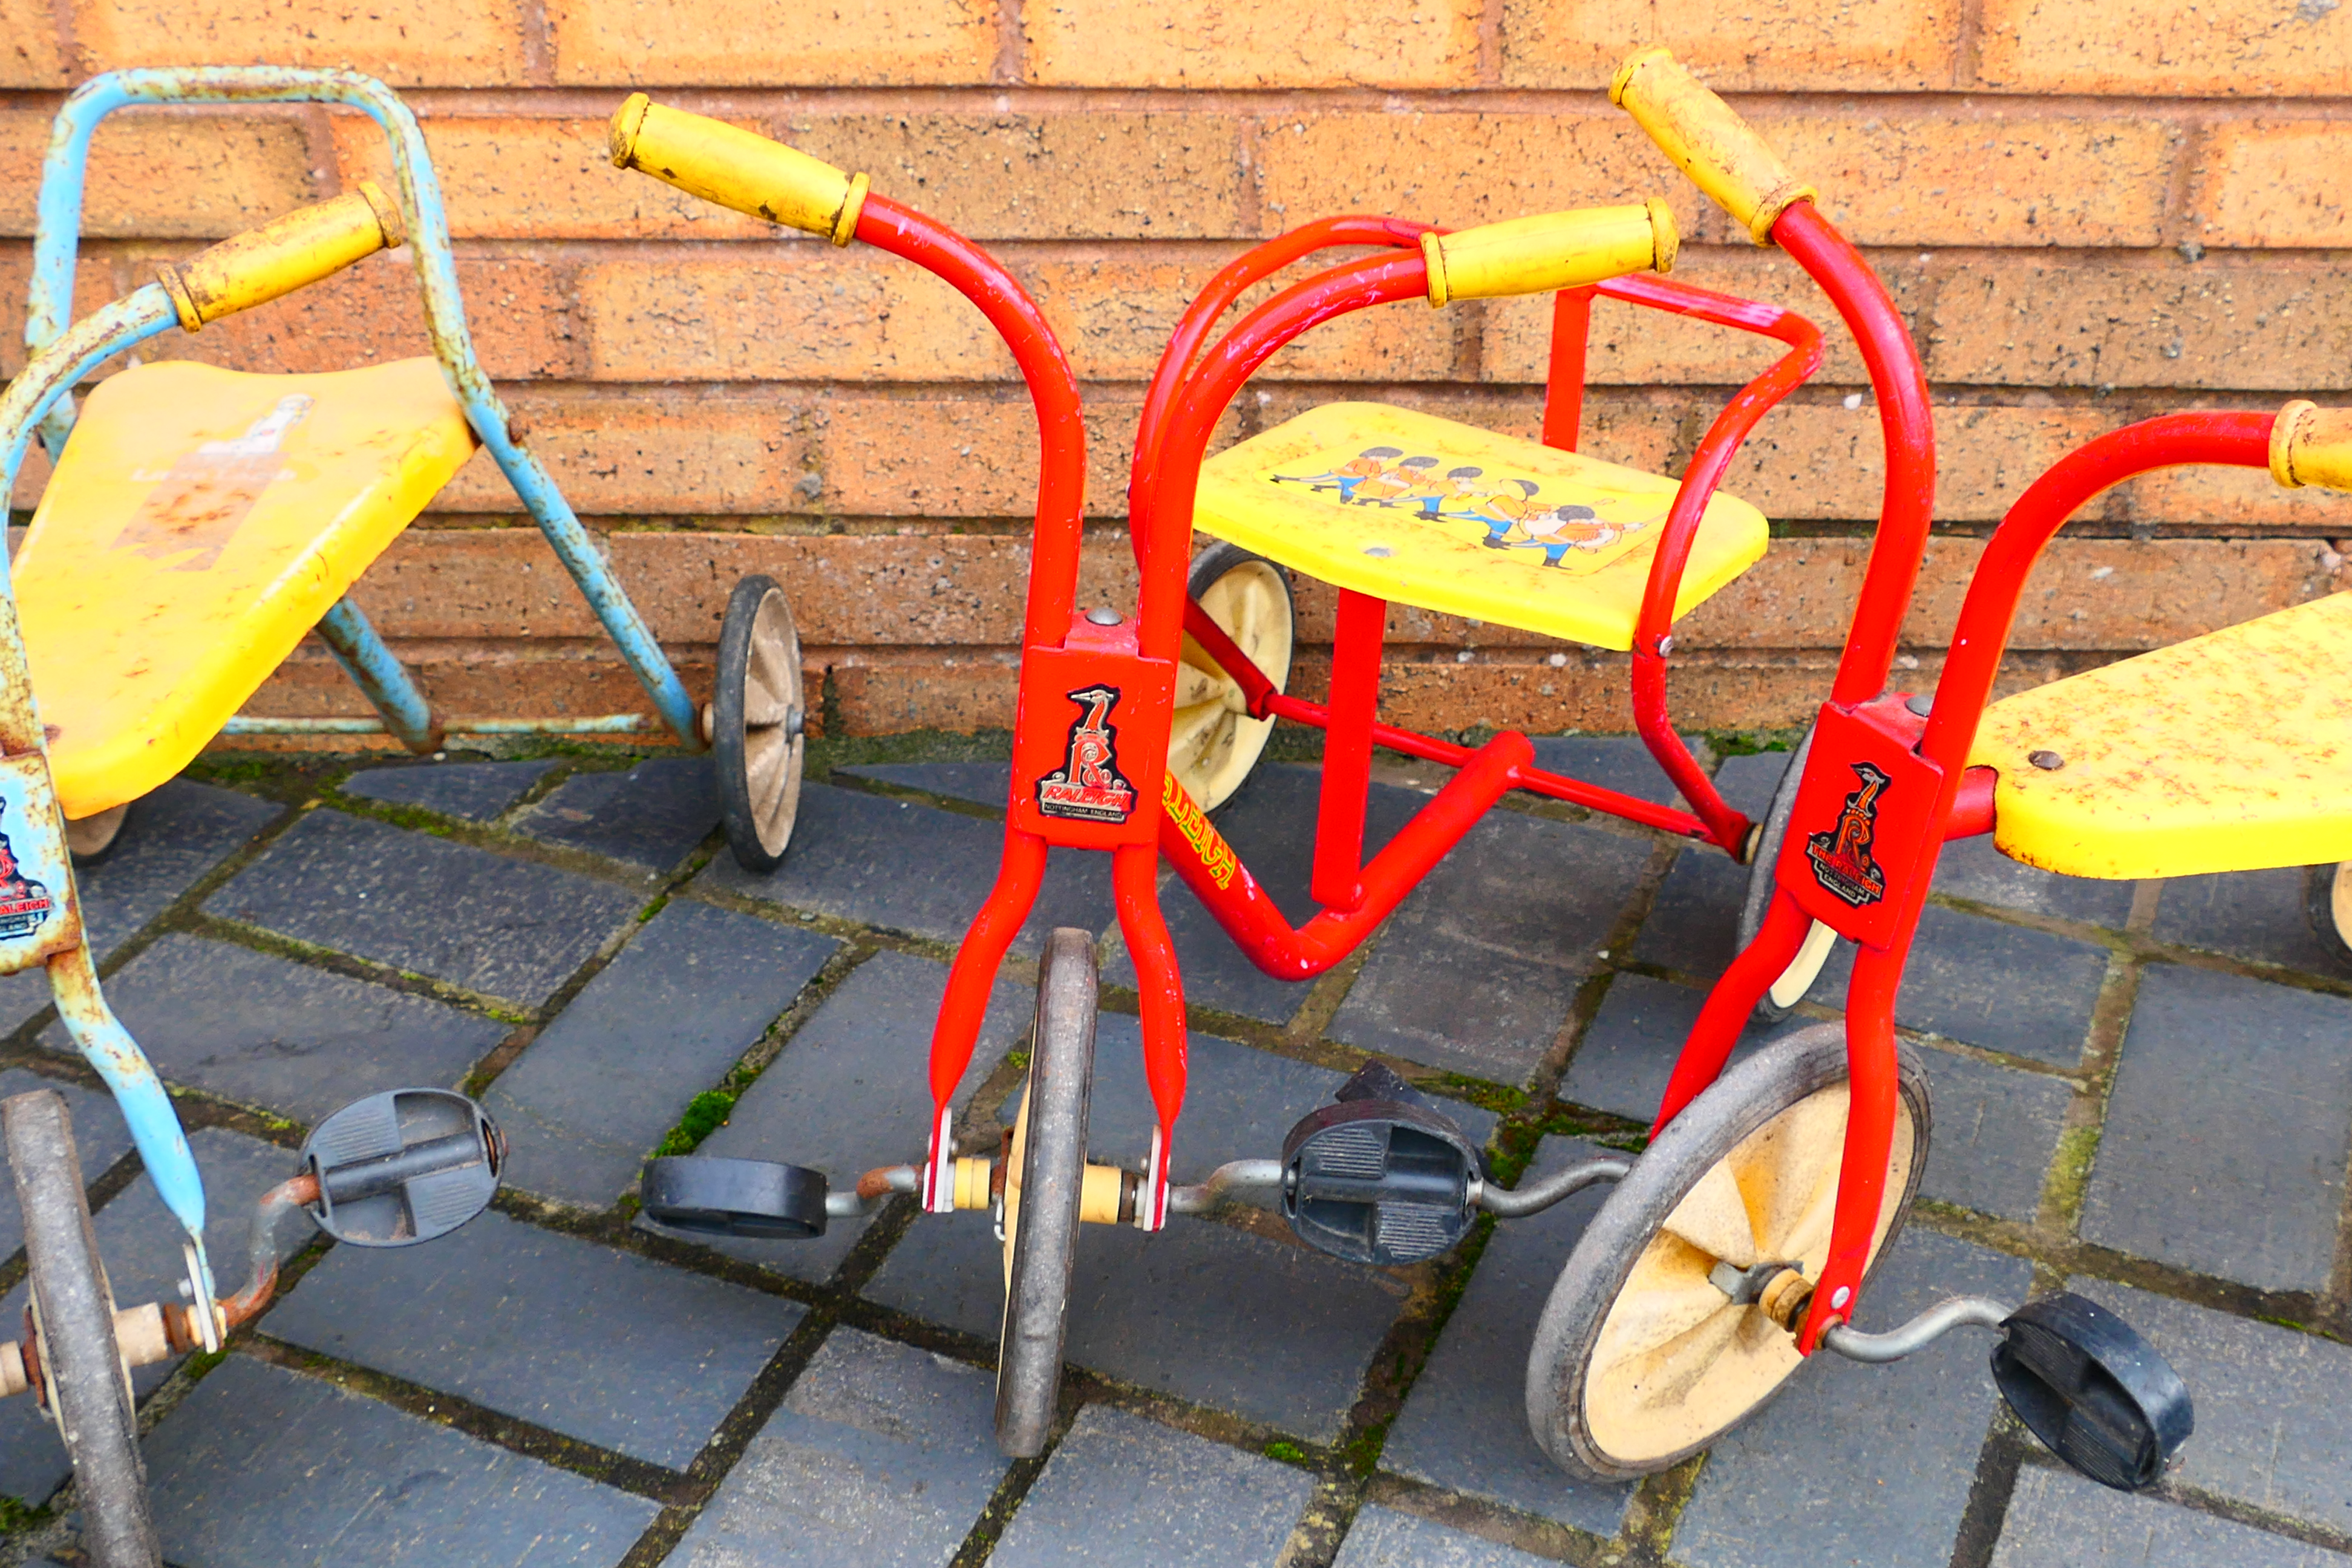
(1103, 615)
(1840, 1297)
(2049, 762)
(1922, 706)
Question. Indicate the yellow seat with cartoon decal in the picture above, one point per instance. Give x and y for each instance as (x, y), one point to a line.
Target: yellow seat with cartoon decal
(199, 522)
(1421, 510)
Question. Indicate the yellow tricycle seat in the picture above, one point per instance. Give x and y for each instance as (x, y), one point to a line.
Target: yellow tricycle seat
(2232, 751)
(199, 522)
(1426, 511)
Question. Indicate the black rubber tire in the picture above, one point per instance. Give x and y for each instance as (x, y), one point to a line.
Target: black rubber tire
(81, 1363)
(1213, 565)
(1760, 872)
(2328, 899)
(744, 732)
(93, 839)
(1751, 1094)
(1045, 1231)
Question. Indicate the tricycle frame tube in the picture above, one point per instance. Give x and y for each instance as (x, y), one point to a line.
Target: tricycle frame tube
(58, 236)
(964, 1007)
(375, 671)
(1135, 884)
(1347, 751)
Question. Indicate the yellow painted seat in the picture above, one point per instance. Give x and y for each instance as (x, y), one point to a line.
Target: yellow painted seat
(2232, 751)
(1424, 511)
(199, 522)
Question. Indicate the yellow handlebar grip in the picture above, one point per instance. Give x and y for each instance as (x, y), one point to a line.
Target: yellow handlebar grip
(2312, 446)
(281, 256)
(737, 168)
(1707, 140)
(1550, 250)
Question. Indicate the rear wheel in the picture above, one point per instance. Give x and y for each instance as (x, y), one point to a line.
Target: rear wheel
(1044, 1174)
(1781, 998)
(755, 723)
(1641, 1357)
(1212, 742)
(2329, 902)
(84, 1382)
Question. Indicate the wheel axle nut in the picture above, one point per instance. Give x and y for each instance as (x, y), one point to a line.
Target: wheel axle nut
(1784, 1301)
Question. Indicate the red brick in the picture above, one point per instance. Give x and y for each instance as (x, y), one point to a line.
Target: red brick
(2166, 322)
(665, 453)
(529, 177)
(2263, 186)
(1825, 461)
(164, 173)
(93, 287)
(1078, 174)
(772, 43)
(408, 43)
(2191, 48)
(29, 54)
(1636, 431)
(2234, 498)
(799, 311)
(1736, 45)
(1252, 43)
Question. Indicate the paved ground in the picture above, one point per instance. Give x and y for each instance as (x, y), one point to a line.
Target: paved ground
(2145, 1093)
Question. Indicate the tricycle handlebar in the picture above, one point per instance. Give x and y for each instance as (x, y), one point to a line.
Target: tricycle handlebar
(2312, 446)
(1708, 140)
(1550, 251)
(281, 256)
(737, 168)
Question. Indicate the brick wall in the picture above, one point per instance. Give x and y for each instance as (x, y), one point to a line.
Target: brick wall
(2089, 213)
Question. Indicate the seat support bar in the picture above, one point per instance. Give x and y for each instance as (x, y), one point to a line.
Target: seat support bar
(375, 671)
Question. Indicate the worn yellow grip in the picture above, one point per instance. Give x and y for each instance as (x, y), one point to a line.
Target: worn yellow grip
(1707, 140)
(1550, 250)
(737, 168)
(2312, 446)
(281, 256)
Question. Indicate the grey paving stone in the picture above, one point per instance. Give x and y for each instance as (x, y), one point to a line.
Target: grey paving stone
(2057, 1520)
(1621, 762)
(2273, 1406)
(1383, 1538)
(1746, 782)
(99, 1137)
(1629, 1049)
(140, 1243)
(1477, 969)
(2227, 1129)
(1238, 1102)
(478, 792)
(1123, 1492)
(2247, 914)
(1271, 1331)
(263, 1468)
(982, 784)
(605, 1346)
(262, 1030)
(1985, 982)
(507, 928)
(1694, 922)
(1995, 1130)
(851, 1090)
(665, 1020)
(913, 868)
(1862, 1464)
(170, 841)
(651, 816)
(1973, 868)
(881, 1457)
(1465, 1425)
(1270, 823)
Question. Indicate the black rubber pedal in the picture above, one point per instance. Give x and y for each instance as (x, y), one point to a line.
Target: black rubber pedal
(2092, 1389)
(756, 1199)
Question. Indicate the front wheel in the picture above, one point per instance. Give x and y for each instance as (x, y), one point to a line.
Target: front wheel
(1780, 998)
(1044, 1175)
(1642, 1358)
(2329, 902)
(755, 723)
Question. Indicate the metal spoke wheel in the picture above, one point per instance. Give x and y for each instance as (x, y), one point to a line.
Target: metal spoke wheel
(1044, 1172)
(1781, 998)
(83, 1379)
(1214, 743)
(91, 838)
(1642, 1358)
(754, 723)
(2329, 902)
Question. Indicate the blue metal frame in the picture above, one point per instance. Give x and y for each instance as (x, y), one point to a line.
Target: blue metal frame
(58, 236)
(375, 671)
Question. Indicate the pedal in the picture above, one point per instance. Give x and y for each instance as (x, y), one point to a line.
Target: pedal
(752, 1199)
(2092, 1389)
(1380, 1175)
(404, 1166)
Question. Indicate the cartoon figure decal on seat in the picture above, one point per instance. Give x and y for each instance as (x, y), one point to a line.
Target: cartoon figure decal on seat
(1840, 857)
(1089, 784)
(24, 902)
